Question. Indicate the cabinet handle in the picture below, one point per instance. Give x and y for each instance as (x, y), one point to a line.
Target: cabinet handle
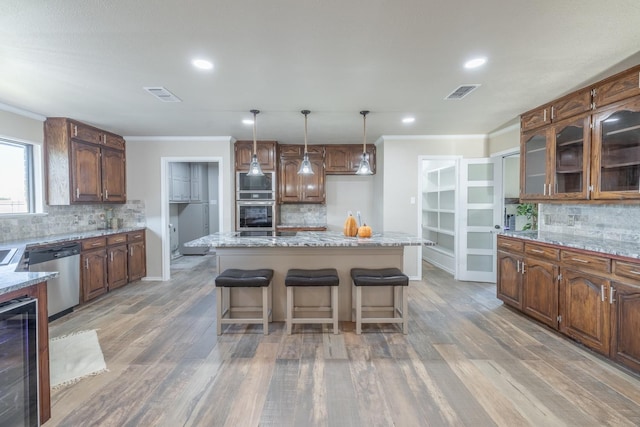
(86, 263)
(106, 194)
(634, 272)
(552, 112)
(523, 268)
(77, 192)
(602, 292)
(537, 251)
(580, 260)
(96, 243)
(544, 189)
(550, 193)
(111, 256)
(544, 117)
(517, 266)
(611, 291)
(131, 250)
(75, 130)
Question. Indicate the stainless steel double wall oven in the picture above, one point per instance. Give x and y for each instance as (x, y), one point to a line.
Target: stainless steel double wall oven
(256, 204)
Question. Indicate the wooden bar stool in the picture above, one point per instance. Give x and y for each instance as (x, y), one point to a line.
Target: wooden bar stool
(237, 278)
(312, 278)
(365, 277)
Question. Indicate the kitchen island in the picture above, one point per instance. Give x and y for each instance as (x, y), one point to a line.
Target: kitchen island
(310, 250)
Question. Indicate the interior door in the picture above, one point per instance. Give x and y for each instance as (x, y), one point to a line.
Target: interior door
(480, 191)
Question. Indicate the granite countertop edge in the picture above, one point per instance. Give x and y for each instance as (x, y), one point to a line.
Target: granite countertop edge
(307, 239)
(594, 244)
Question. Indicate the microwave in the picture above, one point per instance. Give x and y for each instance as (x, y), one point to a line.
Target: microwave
(255, 187)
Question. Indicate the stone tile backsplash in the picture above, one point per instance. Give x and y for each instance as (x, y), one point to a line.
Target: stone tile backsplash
(70, 219)
(305, 214)
(611, 222)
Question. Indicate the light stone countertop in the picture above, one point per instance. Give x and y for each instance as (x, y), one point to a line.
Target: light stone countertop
(604, 246)
(308, 239)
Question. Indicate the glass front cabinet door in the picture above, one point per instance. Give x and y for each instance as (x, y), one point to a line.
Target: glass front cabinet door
(570, 149)
(616, 143)
(534, 178)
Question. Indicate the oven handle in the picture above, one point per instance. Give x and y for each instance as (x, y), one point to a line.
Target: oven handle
(255, 203)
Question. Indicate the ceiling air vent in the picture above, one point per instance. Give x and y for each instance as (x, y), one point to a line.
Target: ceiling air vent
(462, 91)
(162, 94)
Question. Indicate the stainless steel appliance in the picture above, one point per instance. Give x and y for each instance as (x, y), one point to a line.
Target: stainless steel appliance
(19, 362)
(255, 216)
(63, 292)
(255, 187)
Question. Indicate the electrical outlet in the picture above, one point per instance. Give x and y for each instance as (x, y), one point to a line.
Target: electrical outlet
(571, 220)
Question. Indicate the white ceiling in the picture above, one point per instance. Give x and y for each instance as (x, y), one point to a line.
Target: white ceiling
(90, 59)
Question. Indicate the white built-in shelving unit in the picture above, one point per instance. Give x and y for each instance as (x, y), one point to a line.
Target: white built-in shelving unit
(439, 212)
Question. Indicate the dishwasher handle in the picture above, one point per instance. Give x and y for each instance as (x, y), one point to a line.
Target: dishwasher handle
(40, 255)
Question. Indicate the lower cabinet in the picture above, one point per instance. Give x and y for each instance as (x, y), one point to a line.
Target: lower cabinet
(625, 322)
(540, 291)
(137, 256)
(110, 262)
(94, 273)
(585, 309)
(592, 298)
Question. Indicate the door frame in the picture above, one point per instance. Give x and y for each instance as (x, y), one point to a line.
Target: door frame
(164, 202)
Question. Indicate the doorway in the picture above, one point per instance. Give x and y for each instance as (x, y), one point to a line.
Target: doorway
(191, 206)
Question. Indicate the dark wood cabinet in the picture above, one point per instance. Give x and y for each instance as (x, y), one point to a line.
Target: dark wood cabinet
(585, 310)
(294, 188)
(265, 150)
(509, 284)
(618, 87)
(93, 277)
(592, 298)
(555, 161)
(117, 261)
(625, 321)
(344, 159)
(137, 256)
(540, 291)
(615, 166)
(83, 164)
(586, 145)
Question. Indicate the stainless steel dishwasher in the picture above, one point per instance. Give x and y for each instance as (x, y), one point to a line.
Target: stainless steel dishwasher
(63, 292)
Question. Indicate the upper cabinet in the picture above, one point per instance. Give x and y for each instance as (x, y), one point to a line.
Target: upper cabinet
(616, 144)
(585, 145)
(294, 188)
(344, 159)
(265, 150)
(83, 164)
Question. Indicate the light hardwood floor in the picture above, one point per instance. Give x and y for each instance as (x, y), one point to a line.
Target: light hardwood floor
(467, 360)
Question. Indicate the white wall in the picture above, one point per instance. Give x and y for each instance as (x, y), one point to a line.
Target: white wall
(506, 138)
(144, 158)
(349, 193)
(399, 182)
(19, 127)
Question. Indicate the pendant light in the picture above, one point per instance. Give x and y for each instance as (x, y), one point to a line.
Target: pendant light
(364, 168)
(305, 166)
(254, 167)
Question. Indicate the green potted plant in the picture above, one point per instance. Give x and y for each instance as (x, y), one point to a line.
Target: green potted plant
(530, 212)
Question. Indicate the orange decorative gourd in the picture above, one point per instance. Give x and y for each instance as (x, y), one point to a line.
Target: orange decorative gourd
(350, 227)
(364, 231)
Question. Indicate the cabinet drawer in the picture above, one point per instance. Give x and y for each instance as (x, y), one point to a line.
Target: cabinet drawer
(618, 87)
(96, 242)
(591, 262)
(542, 251)
(626, 269)
(535, 118)
(136, 236)
(510, 245)
(85, 133)
(116, 238)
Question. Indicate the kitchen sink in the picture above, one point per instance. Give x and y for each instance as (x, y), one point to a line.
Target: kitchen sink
(6, 255)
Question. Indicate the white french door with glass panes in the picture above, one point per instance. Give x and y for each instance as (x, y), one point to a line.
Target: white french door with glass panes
(479, 218)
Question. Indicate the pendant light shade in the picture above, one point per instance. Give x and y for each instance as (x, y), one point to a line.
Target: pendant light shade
(364, 168)
(305, 166)
(254, 167)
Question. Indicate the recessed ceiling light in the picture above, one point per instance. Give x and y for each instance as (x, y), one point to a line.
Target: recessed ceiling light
(247, 121)
(475, 63)
(202, 64)
(408, 120)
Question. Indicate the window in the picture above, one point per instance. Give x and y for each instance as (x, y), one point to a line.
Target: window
(16, 178)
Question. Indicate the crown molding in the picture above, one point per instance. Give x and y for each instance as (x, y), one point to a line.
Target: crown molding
(178, 138)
